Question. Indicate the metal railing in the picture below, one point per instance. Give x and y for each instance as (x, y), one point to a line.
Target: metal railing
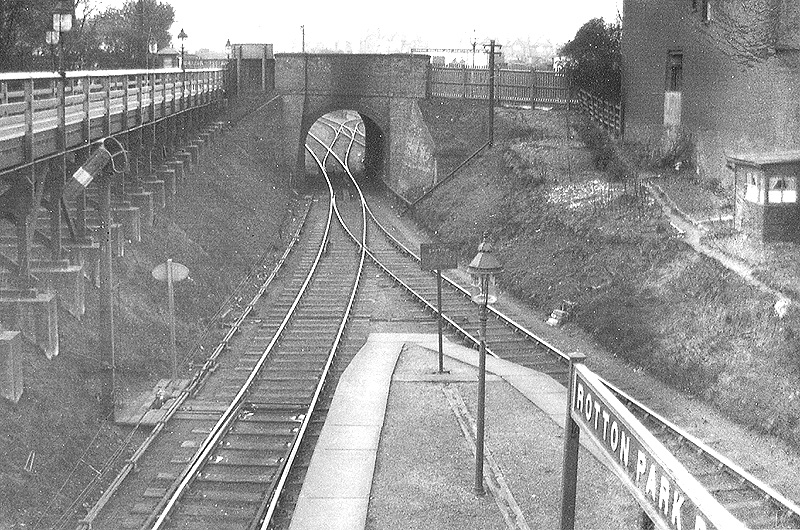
(40, 110)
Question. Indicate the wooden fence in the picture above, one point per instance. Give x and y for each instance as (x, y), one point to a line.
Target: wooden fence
(604, 113)
(512, 87)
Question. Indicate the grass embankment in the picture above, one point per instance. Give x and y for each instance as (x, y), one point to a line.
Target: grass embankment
(229, 212)
(563, 233)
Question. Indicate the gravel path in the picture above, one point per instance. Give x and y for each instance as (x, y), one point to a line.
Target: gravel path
(425, 472)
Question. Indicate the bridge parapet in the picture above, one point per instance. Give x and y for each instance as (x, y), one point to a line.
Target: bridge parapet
(396, 75)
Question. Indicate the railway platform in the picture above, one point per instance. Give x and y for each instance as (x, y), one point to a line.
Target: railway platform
(397, 449)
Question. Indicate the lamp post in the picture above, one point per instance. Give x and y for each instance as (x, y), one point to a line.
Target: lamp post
(482, 268)
(474, 45)
(52, 38)
(62, 23)
(228, 49)
(182, 36)
(152, 50)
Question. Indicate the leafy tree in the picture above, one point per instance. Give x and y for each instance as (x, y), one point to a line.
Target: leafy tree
(122, 34)
(22, 30)
(594, 58)
(114, 38)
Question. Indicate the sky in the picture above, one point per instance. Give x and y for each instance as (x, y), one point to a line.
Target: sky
(443, 24)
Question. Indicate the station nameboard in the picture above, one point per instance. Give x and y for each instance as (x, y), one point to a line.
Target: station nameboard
(436, 257)
(666, 491)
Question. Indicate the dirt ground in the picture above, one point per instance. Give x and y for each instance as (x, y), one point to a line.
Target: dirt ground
(642, 294)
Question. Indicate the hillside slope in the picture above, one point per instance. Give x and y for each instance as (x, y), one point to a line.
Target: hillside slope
(563, 232)
(235, 209)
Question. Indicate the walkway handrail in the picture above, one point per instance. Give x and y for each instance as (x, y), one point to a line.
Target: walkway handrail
(449, 176)
(77, 74)
(85, 105)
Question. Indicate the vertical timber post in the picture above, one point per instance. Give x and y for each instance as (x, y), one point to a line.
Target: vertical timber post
(569, 476)
(81, 231)
(491, 92)
(59, 168)
(24, 219)
(107, 361)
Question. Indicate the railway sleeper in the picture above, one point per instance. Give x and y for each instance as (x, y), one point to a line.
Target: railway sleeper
(226, 513)
(240, 458)
(260, 477)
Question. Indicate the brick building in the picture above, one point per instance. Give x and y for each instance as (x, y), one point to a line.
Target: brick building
(726, 71)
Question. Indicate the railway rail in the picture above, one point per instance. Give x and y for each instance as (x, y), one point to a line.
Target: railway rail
(235, 479)
(250, 426)
(749, 499)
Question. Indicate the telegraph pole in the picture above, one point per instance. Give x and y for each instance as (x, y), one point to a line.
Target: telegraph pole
(492, 47)
(303, 42)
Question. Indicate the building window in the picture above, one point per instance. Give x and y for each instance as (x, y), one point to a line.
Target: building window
(753, 192)
(674, 72)
(706, 8)
(782, 189)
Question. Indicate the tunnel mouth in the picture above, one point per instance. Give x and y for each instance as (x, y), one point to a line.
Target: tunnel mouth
(365, 157)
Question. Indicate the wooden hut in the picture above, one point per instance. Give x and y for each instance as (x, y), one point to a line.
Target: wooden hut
(765, 194)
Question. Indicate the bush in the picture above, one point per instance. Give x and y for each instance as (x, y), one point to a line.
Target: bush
(608, 154)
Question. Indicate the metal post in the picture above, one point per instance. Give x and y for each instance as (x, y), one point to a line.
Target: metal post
(569, 475)
(171, 302)
(439, 318)
(107, 397)
(479, 438)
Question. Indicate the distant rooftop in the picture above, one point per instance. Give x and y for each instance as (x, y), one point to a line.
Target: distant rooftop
(766, 158)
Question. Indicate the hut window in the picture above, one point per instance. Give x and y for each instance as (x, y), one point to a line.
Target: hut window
(753, 192)
(782, 189)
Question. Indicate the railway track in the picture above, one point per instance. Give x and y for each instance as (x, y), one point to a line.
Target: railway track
(749, 499)
(236, 475)
(241, 438)
(235, 436)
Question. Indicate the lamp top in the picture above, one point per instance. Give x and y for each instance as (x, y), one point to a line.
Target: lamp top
(484, 263)
(63, 7)
(182, 35)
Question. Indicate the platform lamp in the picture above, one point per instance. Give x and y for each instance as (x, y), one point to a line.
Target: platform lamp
(62, 23)
(228, 49)
(483, 268)
(52, 38)
(182, 36)
(152, 50)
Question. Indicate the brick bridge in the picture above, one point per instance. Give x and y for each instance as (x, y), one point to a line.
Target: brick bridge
(383, 89)
(51, 126)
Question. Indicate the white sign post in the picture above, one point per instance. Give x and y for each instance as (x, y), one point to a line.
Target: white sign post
(171, 272)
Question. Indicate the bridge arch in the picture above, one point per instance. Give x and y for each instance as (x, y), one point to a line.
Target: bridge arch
(383, 89)
(375, 137)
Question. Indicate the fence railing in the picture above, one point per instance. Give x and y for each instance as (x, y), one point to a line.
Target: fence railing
(94, 104)
(604, 113)
(512, 87)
